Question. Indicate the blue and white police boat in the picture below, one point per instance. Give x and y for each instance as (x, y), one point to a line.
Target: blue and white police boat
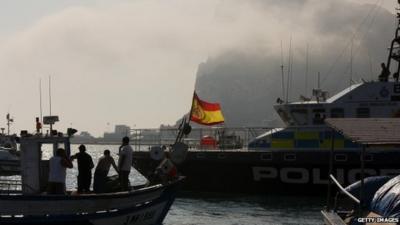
(295, 158)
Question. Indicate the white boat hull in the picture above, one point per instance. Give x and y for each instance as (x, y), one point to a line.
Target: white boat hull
(147, 206)
(147, 216)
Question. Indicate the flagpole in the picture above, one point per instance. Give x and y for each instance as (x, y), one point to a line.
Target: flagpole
(191, 108)
(182, 125)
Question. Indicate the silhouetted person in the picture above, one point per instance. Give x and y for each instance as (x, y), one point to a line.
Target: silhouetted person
(85, 165)
(101, 172)
(125, 163)
(384, 76)
(58, 165)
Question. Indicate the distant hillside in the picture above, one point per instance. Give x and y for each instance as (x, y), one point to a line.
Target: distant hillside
(247, 81)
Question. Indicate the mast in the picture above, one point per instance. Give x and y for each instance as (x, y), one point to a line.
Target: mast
(9, 121)
(50, 94)
(351, 63)
(283, 73)
(289, 70)
(40, 100)
(51, 124)
(395, 46)
(306, 73)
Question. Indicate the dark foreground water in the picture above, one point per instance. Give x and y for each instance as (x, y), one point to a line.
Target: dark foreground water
(245, 210)
(213, 209)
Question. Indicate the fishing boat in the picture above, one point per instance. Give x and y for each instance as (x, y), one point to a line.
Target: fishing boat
(25, 201)
(9, 156)
(295, 159)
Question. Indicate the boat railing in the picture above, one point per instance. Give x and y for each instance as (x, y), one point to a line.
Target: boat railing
(9, 186)
(343, 190)
(337, 211)
(215, 138)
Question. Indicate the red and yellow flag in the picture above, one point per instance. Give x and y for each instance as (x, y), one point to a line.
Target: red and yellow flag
(205, 113)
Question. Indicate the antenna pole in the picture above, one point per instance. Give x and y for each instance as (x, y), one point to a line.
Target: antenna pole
(283, 73)
(50, 94)
(291, 66)
(289, 70)
(306, 74)
(8, 123)
(40, 100)
(351, 63)
(319, 74)
(51, 125)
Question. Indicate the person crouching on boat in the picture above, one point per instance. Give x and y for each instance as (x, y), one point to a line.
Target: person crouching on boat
(101, 172)
(85, 166)
(58, 165)
(124, 163)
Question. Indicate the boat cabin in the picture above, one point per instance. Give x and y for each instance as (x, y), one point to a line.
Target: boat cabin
(364, 100)
(306, 128)
(35, 170)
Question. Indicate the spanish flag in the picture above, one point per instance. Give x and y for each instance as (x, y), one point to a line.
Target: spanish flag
(205, 113)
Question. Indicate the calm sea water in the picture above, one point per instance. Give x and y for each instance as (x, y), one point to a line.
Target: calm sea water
(222, 210)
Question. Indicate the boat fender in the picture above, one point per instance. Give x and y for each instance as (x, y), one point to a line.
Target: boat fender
(386, 201)
(167, 168)
(178, 153)
(157, 153)
(187, 129)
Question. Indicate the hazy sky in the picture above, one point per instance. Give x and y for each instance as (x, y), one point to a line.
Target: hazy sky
(118, 62)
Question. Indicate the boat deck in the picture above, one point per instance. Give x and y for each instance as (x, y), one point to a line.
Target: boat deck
(332, 218)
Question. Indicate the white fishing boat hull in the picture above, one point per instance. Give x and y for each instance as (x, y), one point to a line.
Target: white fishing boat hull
(148, 216)
(10, 167)
(9, 162)
(147, 206)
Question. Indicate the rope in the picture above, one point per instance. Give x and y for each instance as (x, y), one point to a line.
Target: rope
(358, 48)
(352, 39)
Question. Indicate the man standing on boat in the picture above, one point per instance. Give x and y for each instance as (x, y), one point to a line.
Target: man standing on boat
(125, 163)
(101, 172)
(58, 165)
(385, 73)
(85, 165)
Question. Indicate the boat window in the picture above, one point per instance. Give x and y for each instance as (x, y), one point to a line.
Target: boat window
(285, 117)
(318, 116)
(362, 112)
(369, 158)
(266, 156)
(337, 113)
(289, 157)
(47, 151)
(299, 116)
(341, 157)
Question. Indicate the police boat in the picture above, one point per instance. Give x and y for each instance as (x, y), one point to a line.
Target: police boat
(295, 159)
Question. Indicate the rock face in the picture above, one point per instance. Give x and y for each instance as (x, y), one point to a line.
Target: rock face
(247, 81)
